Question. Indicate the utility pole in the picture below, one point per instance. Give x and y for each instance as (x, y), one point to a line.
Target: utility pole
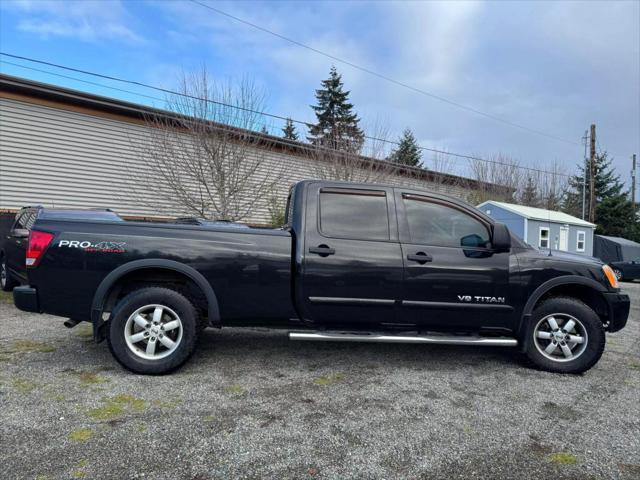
(584, 172)
(633, 182)
(592, 172)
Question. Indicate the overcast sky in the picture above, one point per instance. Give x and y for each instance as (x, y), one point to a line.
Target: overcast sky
(551, 66)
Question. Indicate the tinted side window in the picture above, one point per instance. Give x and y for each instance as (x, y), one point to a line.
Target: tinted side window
(439, 225)
(354, 214)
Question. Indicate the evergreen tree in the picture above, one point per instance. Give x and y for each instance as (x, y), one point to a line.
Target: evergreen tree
(289, 130)
(264, 130)
(616, 218)
(614, 213)
(408, 151)
(337, 124)
(606, 184)
(529, 195)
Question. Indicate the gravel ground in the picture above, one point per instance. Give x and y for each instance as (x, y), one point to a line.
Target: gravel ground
(251, 404)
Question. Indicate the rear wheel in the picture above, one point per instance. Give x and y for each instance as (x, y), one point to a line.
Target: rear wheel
(153, 330)
(6, 281)
(565, 336)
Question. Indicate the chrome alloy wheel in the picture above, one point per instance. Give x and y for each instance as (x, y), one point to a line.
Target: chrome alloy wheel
(560, 337)
(153, 332)
(3, 274)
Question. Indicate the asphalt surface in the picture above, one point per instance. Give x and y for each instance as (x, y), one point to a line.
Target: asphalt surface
(252, 404)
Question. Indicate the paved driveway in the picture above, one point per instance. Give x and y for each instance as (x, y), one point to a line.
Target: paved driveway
(250, 404)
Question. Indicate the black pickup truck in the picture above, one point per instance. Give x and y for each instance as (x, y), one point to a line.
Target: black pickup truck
(353, 262)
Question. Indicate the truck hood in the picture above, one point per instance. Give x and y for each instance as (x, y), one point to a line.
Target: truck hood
(570, 257)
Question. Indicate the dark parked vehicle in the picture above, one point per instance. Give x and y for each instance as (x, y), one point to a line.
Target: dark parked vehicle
(13, 247)
(354, 262)
(626, 270)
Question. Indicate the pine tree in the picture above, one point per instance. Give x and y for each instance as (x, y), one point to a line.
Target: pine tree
(529, 196)
(289, 130)
(264, 130)
(606, 184)
(614, 213)
(616, 218)
(408, 151)
(337, 124)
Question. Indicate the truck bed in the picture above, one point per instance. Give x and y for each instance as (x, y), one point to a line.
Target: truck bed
(249, 269)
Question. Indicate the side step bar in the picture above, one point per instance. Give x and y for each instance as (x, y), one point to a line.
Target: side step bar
(433, 339)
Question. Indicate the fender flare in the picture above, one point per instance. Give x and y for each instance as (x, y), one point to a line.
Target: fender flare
(100, 296)
(548, 285)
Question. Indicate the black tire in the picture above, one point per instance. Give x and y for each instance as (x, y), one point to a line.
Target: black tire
(178, 304)
(7, 283)
(593, 334)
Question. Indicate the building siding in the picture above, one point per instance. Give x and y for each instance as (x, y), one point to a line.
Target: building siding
(554, 236)
(514, 222)
(529, 229)
(62, 158)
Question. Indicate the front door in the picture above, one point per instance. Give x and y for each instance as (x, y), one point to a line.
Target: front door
(453, 280)
(352, 265)
(564, 239)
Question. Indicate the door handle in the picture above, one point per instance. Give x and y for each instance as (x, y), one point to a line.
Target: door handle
(322, 250)
(420, 257)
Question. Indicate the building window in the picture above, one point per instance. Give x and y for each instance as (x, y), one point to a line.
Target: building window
(543, 241)
(581, 241)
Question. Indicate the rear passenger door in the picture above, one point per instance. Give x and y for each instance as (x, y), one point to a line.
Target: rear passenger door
(452, 277)
(352, 265)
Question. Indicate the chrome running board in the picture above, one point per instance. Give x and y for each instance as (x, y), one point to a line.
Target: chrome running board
(434, 339)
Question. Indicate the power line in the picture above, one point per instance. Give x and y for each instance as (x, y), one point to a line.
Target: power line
(271, 115)
(385, 77)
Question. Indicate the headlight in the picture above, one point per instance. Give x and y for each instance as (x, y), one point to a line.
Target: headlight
(611, 277)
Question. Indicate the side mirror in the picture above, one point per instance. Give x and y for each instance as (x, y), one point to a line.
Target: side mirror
(501, 239)
(20, 233)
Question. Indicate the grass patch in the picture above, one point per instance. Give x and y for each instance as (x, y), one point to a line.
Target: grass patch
(563, 458)
(22, 385)
(89, 378)
(81, 435)
(6, 297)
(235, 389)
(329, 379)
(29, 346)
(117, 406)
(634, 366)
(168, 404)
(84, 330)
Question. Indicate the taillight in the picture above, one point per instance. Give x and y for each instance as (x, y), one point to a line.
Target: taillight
(38, 243)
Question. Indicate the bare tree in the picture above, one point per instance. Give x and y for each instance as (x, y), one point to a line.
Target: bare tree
(332, 164)
(553, 185)
(205, 156)
(497, 178)
(441, 168)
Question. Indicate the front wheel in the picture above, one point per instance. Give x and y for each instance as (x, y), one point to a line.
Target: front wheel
(153, 330)
(565, 336)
